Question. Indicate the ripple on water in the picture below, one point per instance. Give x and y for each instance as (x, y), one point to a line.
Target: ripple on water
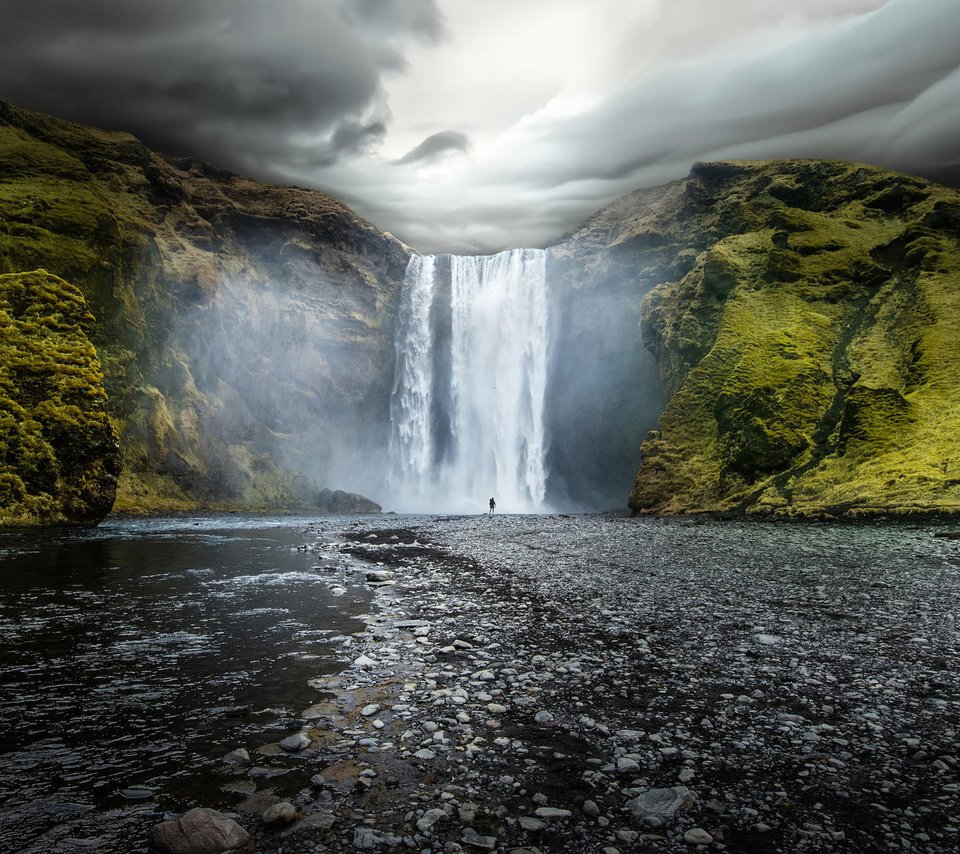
(136, 655)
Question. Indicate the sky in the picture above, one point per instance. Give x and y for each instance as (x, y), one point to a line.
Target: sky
(470, 126)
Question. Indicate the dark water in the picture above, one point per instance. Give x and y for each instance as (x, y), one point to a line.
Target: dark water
(137, 654)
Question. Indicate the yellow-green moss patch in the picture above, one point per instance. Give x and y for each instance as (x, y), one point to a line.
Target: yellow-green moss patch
(59, 455)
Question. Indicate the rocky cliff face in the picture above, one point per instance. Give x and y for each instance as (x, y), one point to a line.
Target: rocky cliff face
(805, 317)
(800, 334)
(245, 330)
(59, 455)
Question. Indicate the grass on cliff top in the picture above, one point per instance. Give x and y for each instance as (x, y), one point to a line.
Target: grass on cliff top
(52, 214)
(58, 449)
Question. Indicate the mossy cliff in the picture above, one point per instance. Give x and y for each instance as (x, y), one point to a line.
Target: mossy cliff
(805, 316)
(59, 455)
(242, 328)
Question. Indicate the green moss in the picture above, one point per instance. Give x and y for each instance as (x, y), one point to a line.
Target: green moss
(173, 257)
(811, 354)
(59, 457)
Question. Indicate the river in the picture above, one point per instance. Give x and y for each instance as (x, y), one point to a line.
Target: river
(135, 655)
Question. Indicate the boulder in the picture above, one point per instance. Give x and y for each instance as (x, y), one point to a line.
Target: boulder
(201, 831)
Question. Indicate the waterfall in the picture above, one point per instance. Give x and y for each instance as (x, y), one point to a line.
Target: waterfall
(471, 372)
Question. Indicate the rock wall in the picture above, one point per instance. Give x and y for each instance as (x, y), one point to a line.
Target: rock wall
(807, 331)
(59, 455)
(245, 331)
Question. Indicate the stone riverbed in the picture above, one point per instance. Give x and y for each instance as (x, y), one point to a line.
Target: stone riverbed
(607, 684)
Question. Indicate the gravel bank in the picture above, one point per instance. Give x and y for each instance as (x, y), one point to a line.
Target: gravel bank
(609, 684)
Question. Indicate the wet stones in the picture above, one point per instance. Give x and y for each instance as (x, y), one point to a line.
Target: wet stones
(691, 707)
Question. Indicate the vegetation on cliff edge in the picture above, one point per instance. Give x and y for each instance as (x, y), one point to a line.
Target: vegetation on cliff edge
(59, 455)
(810, 344)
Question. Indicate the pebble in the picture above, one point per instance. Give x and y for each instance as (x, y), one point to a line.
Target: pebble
(280, 813)
(297, 741)
(697, 836)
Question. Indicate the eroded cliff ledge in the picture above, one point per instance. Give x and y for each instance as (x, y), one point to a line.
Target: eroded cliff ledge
(807, 328)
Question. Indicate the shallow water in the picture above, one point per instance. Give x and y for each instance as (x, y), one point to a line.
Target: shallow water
(137, 654)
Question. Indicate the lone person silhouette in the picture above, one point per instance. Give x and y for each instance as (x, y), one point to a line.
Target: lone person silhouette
(493, 506)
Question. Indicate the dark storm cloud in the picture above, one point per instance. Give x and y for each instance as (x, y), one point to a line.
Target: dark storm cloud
(435, 145)
(260, 87)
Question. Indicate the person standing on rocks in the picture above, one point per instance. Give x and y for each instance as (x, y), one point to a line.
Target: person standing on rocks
(493, 507)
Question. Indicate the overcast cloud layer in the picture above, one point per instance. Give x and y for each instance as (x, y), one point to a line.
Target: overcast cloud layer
(466, 126)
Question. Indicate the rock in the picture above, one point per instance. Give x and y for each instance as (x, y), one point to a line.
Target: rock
(430, 818)
(425, 753)
(338, 501)
(201, 831)
(766, 640)
(364, 662)
(136, 793)
(543, 717)
(317, 821)
(531, 824)
(663, 804)
(626, 765)
(267, 773)
(240, 756)
(590, 809)
(552, 813)
(697, 836)
(475, 840)
(296, 742)
(370, 709)
(365, 839)
(280, 813)
(379, 576)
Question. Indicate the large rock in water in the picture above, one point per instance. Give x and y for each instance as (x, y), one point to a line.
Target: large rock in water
(201, 831)
(805, 317)
(59, 456)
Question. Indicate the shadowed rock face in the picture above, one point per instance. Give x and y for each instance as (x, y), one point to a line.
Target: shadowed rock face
(805, 318)
(59, 457)
(245, 331)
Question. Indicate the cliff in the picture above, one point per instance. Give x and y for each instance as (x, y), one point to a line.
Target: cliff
(59, 456)
(805, 318)
(785, 335)
(243, 329)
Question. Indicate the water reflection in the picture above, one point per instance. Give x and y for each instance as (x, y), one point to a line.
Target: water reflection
(137, 654)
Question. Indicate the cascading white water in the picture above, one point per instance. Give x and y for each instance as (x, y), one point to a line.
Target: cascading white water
(410, 440)
(466, 412)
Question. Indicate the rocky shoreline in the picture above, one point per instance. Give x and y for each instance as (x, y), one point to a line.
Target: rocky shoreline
(611, 684)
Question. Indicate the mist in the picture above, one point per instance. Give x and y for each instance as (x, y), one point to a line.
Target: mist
(275, 388)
